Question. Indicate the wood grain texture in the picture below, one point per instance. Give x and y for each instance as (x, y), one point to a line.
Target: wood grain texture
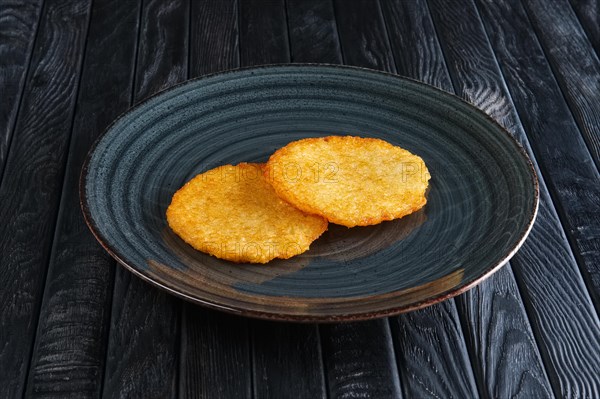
(561, 151)
(362, 46)
(562, 316)
(312, 31)
(216, 359)
(505, 357)
(588, 12)
(432, 355)
(287, 359)
(31, 187)
(215, 355)
(557, 302)
(502, 348)
(574, 62)
(263, 32)
(68, 357)
(214, 44)
(18, 25)
(163, 48)
(142, 354)
(414, 44)
(145, 326)
(359, 360)
(434, 332)
(215, 350)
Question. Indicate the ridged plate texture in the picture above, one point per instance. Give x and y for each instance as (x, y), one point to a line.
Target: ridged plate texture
(482, 198)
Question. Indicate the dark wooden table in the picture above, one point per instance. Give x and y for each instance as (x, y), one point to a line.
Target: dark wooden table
(73, 324)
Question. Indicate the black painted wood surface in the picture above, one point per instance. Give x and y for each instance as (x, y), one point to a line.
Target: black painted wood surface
(348, 373)
(499, 340)
(502, 362)
(552, 289)
(432, 333)
(33, 177)
(72, 324)
(71, 340)
(146, 321)
(215, 354)
(574, 62)
(286, 357)
(550, 125)
(18, 26)
(588, 12)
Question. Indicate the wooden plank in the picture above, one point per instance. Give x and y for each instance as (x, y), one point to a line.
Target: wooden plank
(213, 37)
(359, 360)
(432, 354)
(143, 346)
(359, 357)
(18, 24)
(286, 356)
(414, 45)
(312, 31)
(287, 360)
(557, 302)
(499, 339)
(31, 186)
(415, 346)
(163, 48)
(215, 350)
(574, 62)
(263, 36)
(368, 48)
(144, 329)
(571, 175)
(68, 357)
(588, 12)
(503, 350)
(215, 355)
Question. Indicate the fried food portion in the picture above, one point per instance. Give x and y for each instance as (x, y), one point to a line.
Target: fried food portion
(233, 213)
(351, 181)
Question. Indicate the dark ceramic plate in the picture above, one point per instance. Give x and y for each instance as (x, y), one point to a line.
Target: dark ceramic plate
(482, 200)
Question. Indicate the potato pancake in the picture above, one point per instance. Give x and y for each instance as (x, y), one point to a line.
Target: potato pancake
(233, 213)
(349, 180)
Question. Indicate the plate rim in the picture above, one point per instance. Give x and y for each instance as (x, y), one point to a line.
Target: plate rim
(307, 318)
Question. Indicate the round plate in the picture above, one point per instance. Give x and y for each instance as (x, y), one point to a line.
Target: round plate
(482, 199)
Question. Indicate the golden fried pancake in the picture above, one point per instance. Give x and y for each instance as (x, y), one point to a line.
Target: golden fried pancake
(351, 181)
(233, 213)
